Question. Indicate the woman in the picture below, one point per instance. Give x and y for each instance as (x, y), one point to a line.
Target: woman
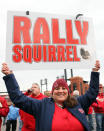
(59, 113)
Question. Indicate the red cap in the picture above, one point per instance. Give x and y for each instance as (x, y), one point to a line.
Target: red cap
(58, 83)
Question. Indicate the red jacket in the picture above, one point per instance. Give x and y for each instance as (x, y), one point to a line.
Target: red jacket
(4, 109)
(99, 106)
(90, 111)
(29, 120)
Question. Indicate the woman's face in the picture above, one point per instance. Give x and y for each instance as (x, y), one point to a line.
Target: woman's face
(60, 94)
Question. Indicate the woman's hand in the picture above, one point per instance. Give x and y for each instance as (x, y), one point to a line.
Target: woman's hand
(5, 69)
(97, 66)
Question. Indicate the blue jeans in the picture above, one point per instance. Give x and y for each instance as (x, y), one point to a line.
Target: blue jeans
(90, 122)
(99, 121)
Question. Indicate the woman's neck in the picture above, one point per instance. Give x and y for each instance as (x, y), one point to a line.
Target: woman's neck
(59, 104)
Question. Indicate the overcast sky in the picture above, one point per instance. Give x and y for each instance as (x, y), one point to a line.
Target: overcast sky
(90, 8)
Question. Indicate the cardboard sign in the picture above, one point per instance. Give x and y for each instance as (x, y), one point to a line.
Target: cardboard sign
(49, 41)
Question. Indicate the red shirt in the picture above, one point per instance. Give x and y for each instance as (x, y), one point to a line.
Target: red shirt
(4, 109)
(90, 111)
(63, 120)
(99, 106)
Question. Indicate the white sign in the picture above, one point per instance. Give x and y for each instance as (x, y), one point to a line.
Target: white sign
(49, 41)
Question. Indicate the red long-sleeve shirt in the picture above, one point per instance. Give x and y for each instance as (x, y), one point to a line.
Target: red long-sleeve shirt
(90, 111)
(4, 109)
(99, 105)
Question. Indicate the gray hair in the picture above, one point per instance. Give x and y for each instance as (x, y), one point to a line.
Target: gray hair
(76, 93)
(36, 84)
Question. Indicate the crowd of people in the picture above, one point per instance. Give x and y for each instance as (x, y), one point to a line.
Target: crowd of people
(60, 112)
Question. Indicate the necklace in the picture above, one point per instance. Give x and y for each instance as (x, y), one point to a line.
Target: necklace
(59, 105)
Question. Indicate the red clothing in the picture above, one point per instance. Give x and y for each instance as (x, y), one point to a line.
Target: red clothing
(90, 111)
(99, 106)
(4, 109)
(29, 120)
(63, 120)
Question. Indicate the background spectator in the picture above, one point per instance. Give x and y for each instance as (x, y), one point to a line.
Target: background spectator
(4, 109)
(27, 119)
(90, 119)
(76, 93)
(12, 118)
(99, 109)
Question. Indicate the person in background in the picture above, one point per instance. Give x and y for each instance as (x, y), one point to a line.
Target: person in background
(90, 119)
(99, 109)
(21, 114)
(76, 93)
(27, 119)
(59, 113)
(4, 109)
(12, 118)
